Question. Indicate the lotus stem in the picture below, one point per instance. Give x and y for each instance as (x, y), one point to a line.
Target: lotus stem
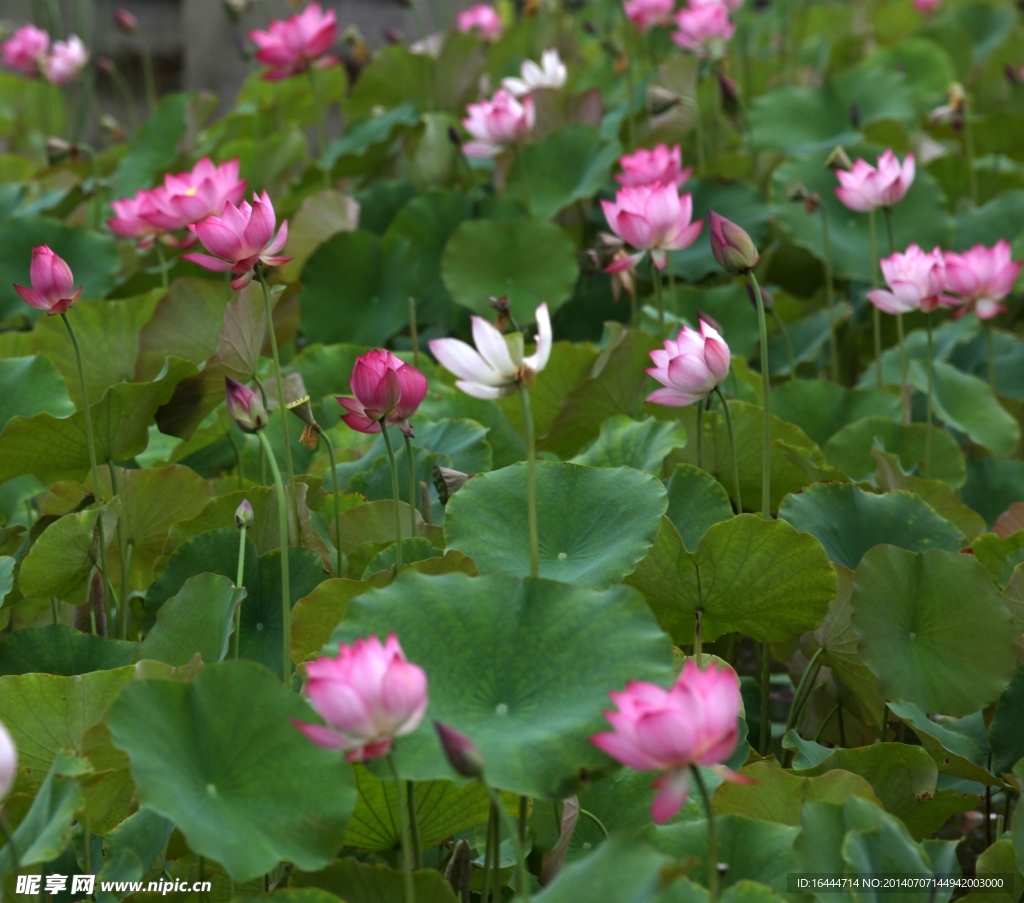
(403, 820)
(417, 850)
(238, 585)
(824, 724)
(790, 355)
(904, 382)
(928, 411)
(972, 176)
(122, 549)
(991, 351)
(148, 74)
(412, 485)
(531, 481)
(163, 264)
(765, 739)
(337, 508)
(394, 490)
(658, 300)
(320, 113)
(700, 434)
(514, 834)
(803, 689)
(732, 448)
(876, 316)
(282, 516)
(712, 835)
(829, 293)
(766, 386)
(698, 640)
(492, 819)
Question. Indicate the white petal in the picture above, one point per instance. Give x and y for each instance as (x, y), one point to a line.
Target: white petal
(458, 358)
(491, 345)
(515, 86)
(477, 391)
(539, 360)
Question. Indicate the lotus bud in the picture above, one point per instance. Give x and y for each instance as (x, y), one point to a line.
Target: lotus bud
(730, 93)
(8, 761)
(447, 482)
(244, 515)
(245, 406)
(126, 21)
(838, 159)
(462, 753)
(732, 247)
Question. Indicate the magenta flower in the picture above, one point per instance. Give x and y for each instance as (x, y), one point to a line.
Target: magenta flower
(980, 279)
(703, 28)
(385, 388)
(694, 723)
(651, 218)
(241, 238)
(66, 60)
(25, 51)
(131, 216)
(8, 761)
(498, 366)
(53, 283)
(462, 753)
(190, 197)
(661, 166)
(497, 123)
(481, 18)
(927, 7)
(645, 14)
(290, 46)
(916, 282)
(126, 21)
(369, 694)
(245, 406)
(689, 366)
(865, 188)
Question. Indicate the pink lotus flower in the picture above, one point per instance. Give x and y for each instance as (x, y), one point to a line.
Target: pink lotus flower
(52, 283)
(131, 219)
(660, 166)
(689, 366)
(245, 406)
(241, 238)
(26, 50)
(368, 695)
(290, 46)
(704, 28)
(498, 366)
(730, 5)
(497, 123)
(731, 246)
(483, 19)
(190, 197)
(66, 60)
(981, 278)
(865, 188)
(645, 14)
(694, 723)
(8, 761)
(927, 7)
(916, 282)
(651, 218)
(385, 388)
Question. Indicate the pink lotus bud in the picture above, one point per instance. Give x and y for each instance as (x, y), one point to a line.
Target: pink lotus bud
(981, 278)
(704, 29)
(66, 60)
(916, 282)
(52, 283)
(481, 18)
(291, 46)
(689, 366)
(645, 14)
(694, 723)
(245, 406)
(462, 753)
(660, 166)
(8, 761)
(385, 388)
(126, 21)
(240, 238)
(368, 694)
(732, 247)
(651, 218)
(497, 123)
(865, 188)
(244, 515)
(26, 50)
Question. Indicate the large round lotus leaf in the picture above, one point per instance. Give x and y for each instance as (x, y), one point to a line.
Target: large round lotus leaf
(490, 646)
(848, 521)
(594, 523)
(527, 261)
(822, 408)
(221, 759)
(933, 628)
(59, 649)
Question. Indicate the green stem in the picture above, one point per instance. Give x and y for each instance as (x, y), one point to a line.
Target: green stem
(282, 519)
(990, 348)
(732, 448)
(928, 411)
(403, 819)
(596, 821)
(824, 724)
(790, 356)
(803, 689)
(337, 507)
(876, 316)
(888, 227)
(163, 263)
(321, 124)
(904, 383)
(672, 287)
(148, 75)
(531, 481)
(659, 300)
(700, 434)
(280, 400)
(712, 835)
(238, 585)
(417, 850)
(492, 820)
(972, 176)
(412, 485)
(766, 386)
(523, 177)
(122, 549)
(698, 136)
(766, 686)
(523, 806)
(524, 874)
(394, 490)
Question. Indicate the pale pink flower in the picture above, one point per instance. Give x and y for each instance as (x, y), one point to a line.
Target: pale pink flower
(645, 14)
(498, 366)
(660, 166)
(916, 282)
(651, 218)
(551, 74)
(66, 60)
(694, 723)
(927, 7)
(53, 283)
(26, 50)
(865, 188)
(481, 18)
(130, 219)
(703, 29)
(240, 239)
(384, 388)
(689, 366)
(8, 761)
(290, 46)
(190, 197)
(368, 694)
(980, 278)
(497, 123)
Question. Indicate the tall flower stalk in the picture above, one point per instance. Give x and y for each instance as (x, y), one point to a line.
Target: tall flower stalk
(531, 481)
(243, 520)
(397, 498)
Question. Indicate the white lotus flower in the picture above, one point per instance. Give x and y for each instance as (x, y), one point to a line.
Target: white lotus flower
(551, 73)
(497, 366)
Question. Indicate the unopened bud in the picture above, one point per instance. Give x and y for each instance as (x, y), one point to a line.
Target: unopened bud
(245, 406)
(838, 159)
(730, 93)
(126, 21)
(447, 482)
(732, 247)
(462, 753)
(244, 515)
